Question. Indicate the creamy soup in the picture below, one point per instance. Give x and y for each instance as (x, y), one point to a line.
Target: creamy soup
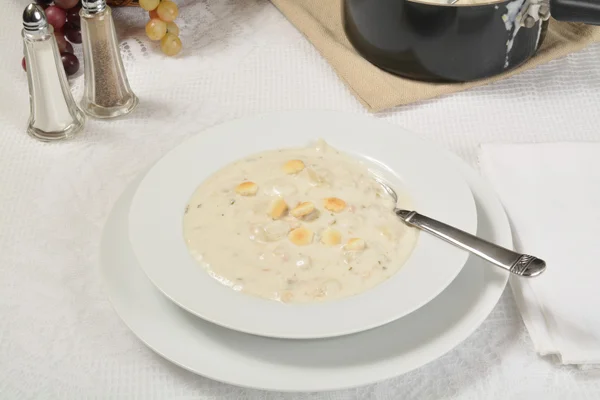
(297, 225)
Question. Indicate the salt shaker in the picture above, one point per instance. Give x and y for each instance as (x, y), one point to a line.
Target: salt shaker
(54, 113)
(106, 93)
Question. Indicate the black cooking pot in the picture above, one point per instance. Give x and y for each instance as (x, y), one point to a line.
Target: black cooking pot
(455, 43)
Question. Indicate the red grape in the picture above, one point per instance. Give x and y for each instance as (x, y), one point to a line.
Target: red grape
(65, 4)
(70, 63)
(24, 64)
(73, 34)
(56, 17)
(62, 43)
(73, 18)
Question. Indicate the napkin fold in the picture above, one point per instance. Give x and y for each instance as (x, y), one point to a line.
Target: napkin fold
(321, 22)
(551, 193)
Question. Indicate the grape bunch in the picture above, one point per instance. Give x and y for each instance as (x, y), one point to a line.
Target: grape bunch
(161, 26)
(63, 15)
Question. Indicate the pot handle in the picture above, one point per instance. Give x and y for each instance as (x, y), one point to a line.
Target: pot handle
(586, 11)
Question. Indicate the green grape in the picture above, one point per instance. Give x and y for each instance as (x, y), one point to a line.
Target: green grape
(170, 44)
(149, 5)
(167, 11)
(156, 29)
(173, 28)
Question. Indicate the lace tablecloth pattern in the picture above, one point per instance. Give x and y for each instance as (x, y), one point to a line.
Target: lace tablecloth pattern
(59, 336)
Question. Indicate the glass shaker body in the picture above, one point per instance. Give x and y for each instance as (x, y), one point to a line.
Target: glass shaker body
(54, 113)
(107, 93)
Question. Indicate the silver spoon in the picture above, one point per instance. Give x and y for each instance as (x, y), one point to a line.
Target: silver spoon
(518, 264)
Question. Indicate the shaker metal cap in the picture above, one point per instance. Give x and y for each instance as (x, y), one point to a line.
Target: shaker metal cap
(34, 18)
(93, 6)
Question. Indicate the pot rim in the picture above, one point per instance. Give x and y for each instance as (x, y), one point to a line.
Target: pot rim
(458, 3)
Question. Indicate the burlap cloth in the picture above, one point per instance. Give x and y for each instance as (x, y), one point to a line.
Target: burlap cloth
(321, 22)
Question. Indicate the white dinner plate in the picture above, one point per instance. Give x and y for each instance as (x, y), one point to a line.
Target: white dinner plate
(432, 181)
(305, 365)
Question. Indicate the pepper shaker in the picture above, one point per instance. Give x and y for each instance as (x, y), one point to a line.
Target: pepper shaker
(54, 114)
(106, 93)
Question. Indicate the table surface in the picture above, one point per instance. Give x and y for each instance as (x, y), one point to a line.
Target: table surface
(59, 336)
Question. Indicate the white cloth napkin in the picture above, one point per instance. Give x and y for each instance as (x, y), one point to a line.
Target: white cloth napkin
(551, 193)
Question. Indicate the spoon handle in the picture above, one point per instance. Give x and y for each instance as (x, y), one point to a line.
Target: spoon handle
(518, 264)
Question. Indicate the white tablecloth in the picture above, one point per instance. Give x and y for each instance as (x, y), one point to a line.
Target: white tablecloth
(59, 336)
